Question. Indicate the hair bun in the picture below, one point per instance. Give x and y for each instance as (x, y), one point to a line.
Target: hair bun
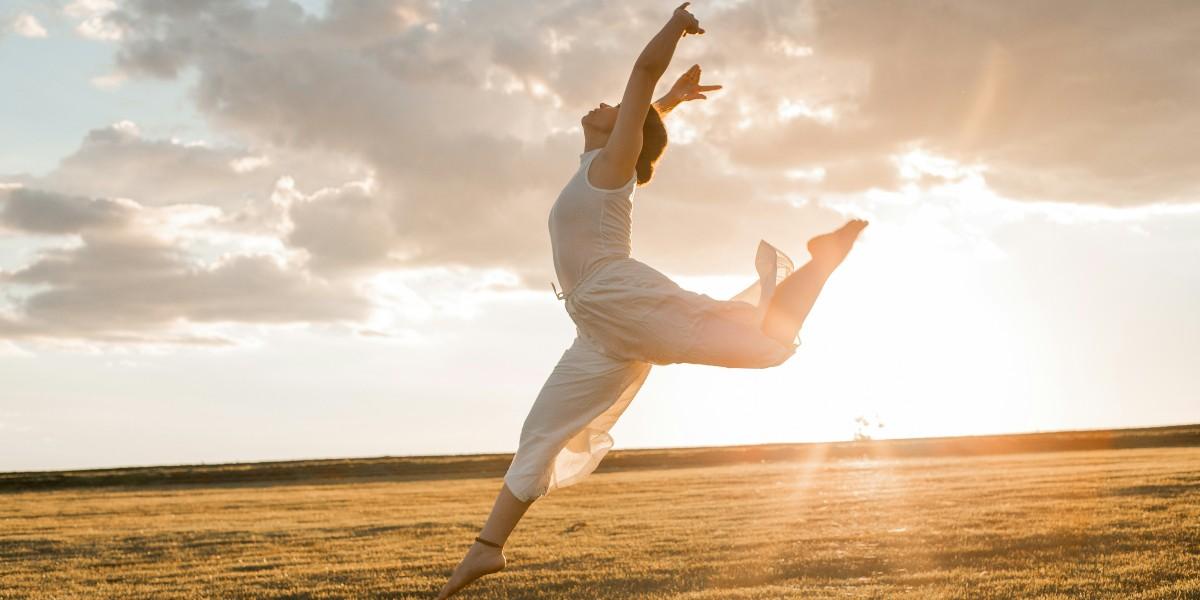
(654, 142)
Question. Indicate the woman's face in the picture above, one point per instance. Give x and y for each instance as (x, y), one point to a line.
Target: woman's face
(602, 118)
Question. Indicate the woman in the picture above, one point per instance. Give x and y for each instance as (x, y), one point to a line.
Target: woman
(628, 315)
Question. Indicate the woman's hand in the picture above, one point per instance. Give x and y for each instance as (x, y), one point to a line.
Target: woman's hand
(688, 87)
(687, 20)
(617, 161)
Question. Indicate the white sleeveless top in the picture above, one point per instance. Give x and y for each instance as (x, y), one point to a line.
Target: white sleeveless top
(589, 226)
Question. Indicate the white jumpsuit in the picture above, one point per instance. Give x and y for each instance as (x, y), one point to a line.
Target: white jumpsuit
(627, 317)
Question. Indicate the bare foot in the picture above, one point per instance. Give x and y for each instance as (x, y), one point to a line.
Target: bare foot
(831, 248)
(480, 560)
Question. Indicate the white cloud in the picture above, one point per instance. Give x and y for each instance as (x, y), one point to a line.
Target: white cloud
(790, 109)
(27, 25)
(119, 161)
(94, 20)
(132, 279)
(247, 164)
(110, 81)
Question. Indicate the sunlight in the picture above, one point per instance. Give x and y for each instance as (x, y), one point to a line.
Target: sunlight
(556, 42)
(789, 48)
(423, 294)
(680, 132)
(789, 109)
(812, 175)
(944, 356)
(940, 361)
(248, 164)
(987, 88)
(915, 163)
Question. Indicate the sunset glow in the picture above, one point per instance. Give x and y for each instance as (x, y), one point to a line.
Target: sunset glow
(339, 248)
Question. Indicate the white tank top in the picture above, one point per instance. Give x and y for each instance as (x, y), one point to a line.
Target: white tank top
(589, 226)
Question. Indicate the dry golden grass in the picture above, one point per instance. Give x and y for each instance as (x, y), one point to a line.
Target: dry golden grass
(1105, 523)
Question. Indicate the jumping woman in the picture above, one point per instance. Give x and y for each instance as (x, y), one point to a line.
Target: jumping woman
(629, 316)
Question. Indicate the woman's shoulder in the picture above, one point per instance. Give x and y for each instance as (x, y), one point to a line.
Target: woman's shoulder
(585, 163)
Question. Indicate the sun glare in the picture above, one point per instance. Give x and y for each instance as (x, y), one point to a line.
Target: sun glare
(911, 332)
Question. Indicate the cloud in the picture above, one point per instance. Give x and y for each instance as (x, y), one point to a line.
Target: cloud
(119, 161)
(392, 135)
(129, 280)
(465, 111)
(110, 81)
(1069, 102)
(92, 17)
(37, 211)
(27, 25)
(455, 107)
(343, 230)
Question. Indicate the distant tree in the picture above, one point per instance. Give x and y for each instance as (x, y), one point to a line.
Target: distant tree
(864, 427)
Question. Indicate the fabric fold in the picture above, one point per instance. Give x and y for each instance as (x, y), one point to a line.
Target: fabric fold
(628, 317)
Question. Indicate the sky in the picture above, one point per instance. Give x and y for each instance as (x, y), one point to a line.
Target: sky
(236, 230)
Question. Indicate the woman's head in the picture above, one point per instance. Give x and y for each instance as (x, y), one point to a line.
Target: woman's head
(599, 123)
(600, 119)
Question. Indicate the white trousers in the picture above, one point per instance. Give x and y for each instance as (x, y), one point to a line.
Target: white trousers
(629, 316)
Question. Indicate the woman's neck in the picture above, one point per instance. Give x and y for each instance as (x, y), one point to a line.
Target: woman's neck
(592, 142)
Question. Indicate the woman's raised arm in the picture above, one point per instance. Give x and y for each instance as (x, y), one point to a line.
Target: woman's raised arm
(614, 165)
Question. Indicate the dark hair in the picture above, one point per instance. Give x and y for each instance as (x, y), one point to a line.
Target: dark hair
(654, 142)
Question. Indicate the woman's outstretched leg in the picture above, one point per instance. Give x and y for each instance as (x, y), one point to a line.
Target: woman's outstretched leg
(482, 559)
(795, 296)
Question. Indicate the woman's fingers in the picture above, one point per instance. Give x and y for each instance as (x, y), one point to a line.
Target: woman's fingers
(689, 84)
(690, 23)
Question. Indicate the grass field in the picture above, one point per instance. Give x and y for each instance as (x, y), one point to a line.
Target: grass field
(1074, 524)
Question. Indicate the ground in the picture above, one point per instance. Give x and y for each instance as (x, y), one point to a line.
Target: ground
(1076, 524)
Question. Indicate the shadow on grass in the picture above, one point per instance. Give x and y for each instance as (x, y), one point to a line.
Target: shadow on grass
(1159, 490)
(27, 548)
